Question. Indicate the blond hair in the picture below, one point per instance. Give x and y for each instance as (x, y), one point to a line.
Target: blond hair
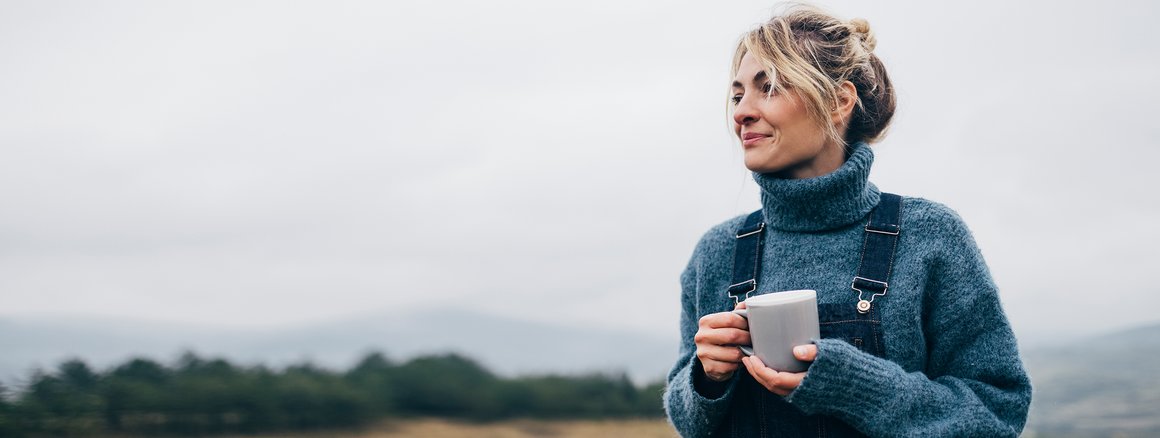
(811, 52)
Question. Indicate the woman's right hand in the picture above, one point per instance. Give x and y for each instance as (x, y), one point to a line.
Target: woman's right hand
(718, 335)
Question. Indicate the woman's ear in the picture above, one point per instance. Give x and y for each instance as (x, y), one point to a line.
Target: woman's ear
(847, 98)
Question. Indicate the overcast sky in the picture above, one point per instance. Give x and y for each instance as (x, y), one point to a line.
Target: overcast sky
(273, 164)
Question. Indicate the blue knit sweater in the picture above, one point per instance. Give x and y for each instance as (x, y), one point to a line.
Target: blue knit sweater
(951, 366)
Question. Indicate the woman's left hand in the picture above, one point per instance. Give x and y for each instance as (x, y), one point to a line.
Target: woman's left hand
(779, 382)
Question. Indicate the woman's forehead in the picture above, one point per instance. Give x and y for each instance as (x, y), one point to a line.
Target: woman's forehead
(750, 71)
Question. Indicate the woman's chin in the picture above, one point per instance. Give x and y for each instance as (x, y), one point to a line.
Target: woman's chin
(761, 166)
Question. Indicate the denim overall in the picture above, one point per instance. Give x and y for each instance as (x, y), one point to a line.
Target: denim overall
(756, 412)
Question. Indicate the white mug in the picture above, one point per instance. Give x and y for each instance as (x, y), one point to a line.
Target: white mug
(778, 322)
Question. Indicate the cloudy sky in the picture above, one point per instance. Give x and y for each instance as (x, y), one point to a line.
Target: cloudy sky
(274, 164)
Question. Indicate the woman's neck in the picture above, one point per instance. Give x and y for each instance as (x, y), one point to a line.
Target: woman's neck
(830, 200)
(827, 161)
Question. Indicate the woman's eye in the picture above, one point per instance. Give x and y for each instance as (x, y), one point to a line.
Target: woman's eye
(767, 88)
(736, 99)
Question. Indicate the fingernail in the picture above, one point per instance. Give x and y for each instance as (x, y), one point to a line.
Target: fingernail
(799, 350)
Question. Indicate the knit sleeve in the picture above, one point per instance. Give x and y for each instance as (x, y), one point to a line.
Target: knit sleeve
(973, 384)
(694, 404)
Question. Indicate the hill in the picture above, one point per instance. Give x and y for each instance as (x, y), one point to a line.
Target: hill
(1097, 387)
(506, 346)
(1091, 387)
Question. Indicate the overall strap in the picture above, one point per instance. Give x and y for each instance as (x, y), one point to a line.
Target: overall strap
(879, 242)
(747, 257)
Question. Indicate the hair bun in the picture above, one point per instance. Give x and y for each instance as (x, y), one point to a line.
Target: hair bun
(861, 27)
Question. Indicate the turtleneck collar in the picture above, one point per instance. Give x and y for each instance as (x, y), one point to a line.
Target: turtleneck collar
(821, 203)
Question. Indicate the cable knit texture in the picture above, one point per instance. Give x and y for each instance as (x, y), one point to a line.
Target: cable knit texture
(951, 365)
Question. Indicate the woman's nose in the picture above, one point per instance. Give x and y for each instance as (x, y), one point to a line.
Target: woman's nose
(744, 113)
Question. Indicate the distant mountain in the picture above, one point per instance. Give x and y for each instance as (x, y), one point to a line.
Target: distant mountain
(504, 345)
(1101, 386)
(1097, 386)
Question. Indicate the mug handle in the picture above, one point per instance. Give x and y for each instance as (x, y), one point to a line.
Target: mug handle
(745, 349)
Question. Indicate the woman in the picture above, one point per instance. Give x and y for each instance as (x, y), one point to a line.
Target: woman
(922, 348)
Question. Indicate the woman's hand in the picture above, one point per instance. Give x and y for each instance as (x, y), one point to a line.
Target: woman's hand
(780, 383)
(716, 340)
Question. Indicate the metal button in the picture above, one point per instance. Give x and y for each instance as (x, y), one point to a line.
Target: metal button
(863, 306)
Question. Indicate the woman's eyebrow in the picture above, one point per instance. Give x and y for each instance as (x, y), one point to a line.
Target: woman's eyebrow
(760, 76)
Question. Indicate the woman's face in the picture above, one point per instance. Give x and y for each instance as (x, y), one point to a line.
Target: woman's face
(776, 131)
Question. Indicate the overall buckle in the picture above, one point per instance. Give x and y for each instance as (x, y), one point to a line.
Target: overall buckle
(743, 288)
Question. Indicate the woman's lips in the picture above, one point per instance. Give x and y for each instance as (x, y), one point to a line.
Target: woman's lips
(752, 139)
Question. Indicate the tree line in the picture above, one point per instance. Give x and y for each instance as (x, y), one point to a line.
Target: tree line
(199, 396)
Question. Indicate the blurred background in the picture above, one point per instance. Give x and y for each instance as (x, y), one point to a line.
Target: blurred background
(513, 187)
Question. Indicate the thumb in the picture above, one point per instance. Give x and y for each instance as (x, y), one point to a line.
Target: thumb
(806, 353)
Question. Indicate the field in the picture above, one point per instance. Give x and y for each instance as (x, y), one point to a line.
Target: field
(438, 428)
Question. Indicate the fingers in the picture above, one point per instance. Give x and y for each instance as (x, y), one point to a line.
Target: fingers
(740, 305)
(718, 370)
(780, 383)
(718, 377)
(766, 376)
(719, 362)
(723, 320)
(720, 353)
(721, 336)
(716, 337)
